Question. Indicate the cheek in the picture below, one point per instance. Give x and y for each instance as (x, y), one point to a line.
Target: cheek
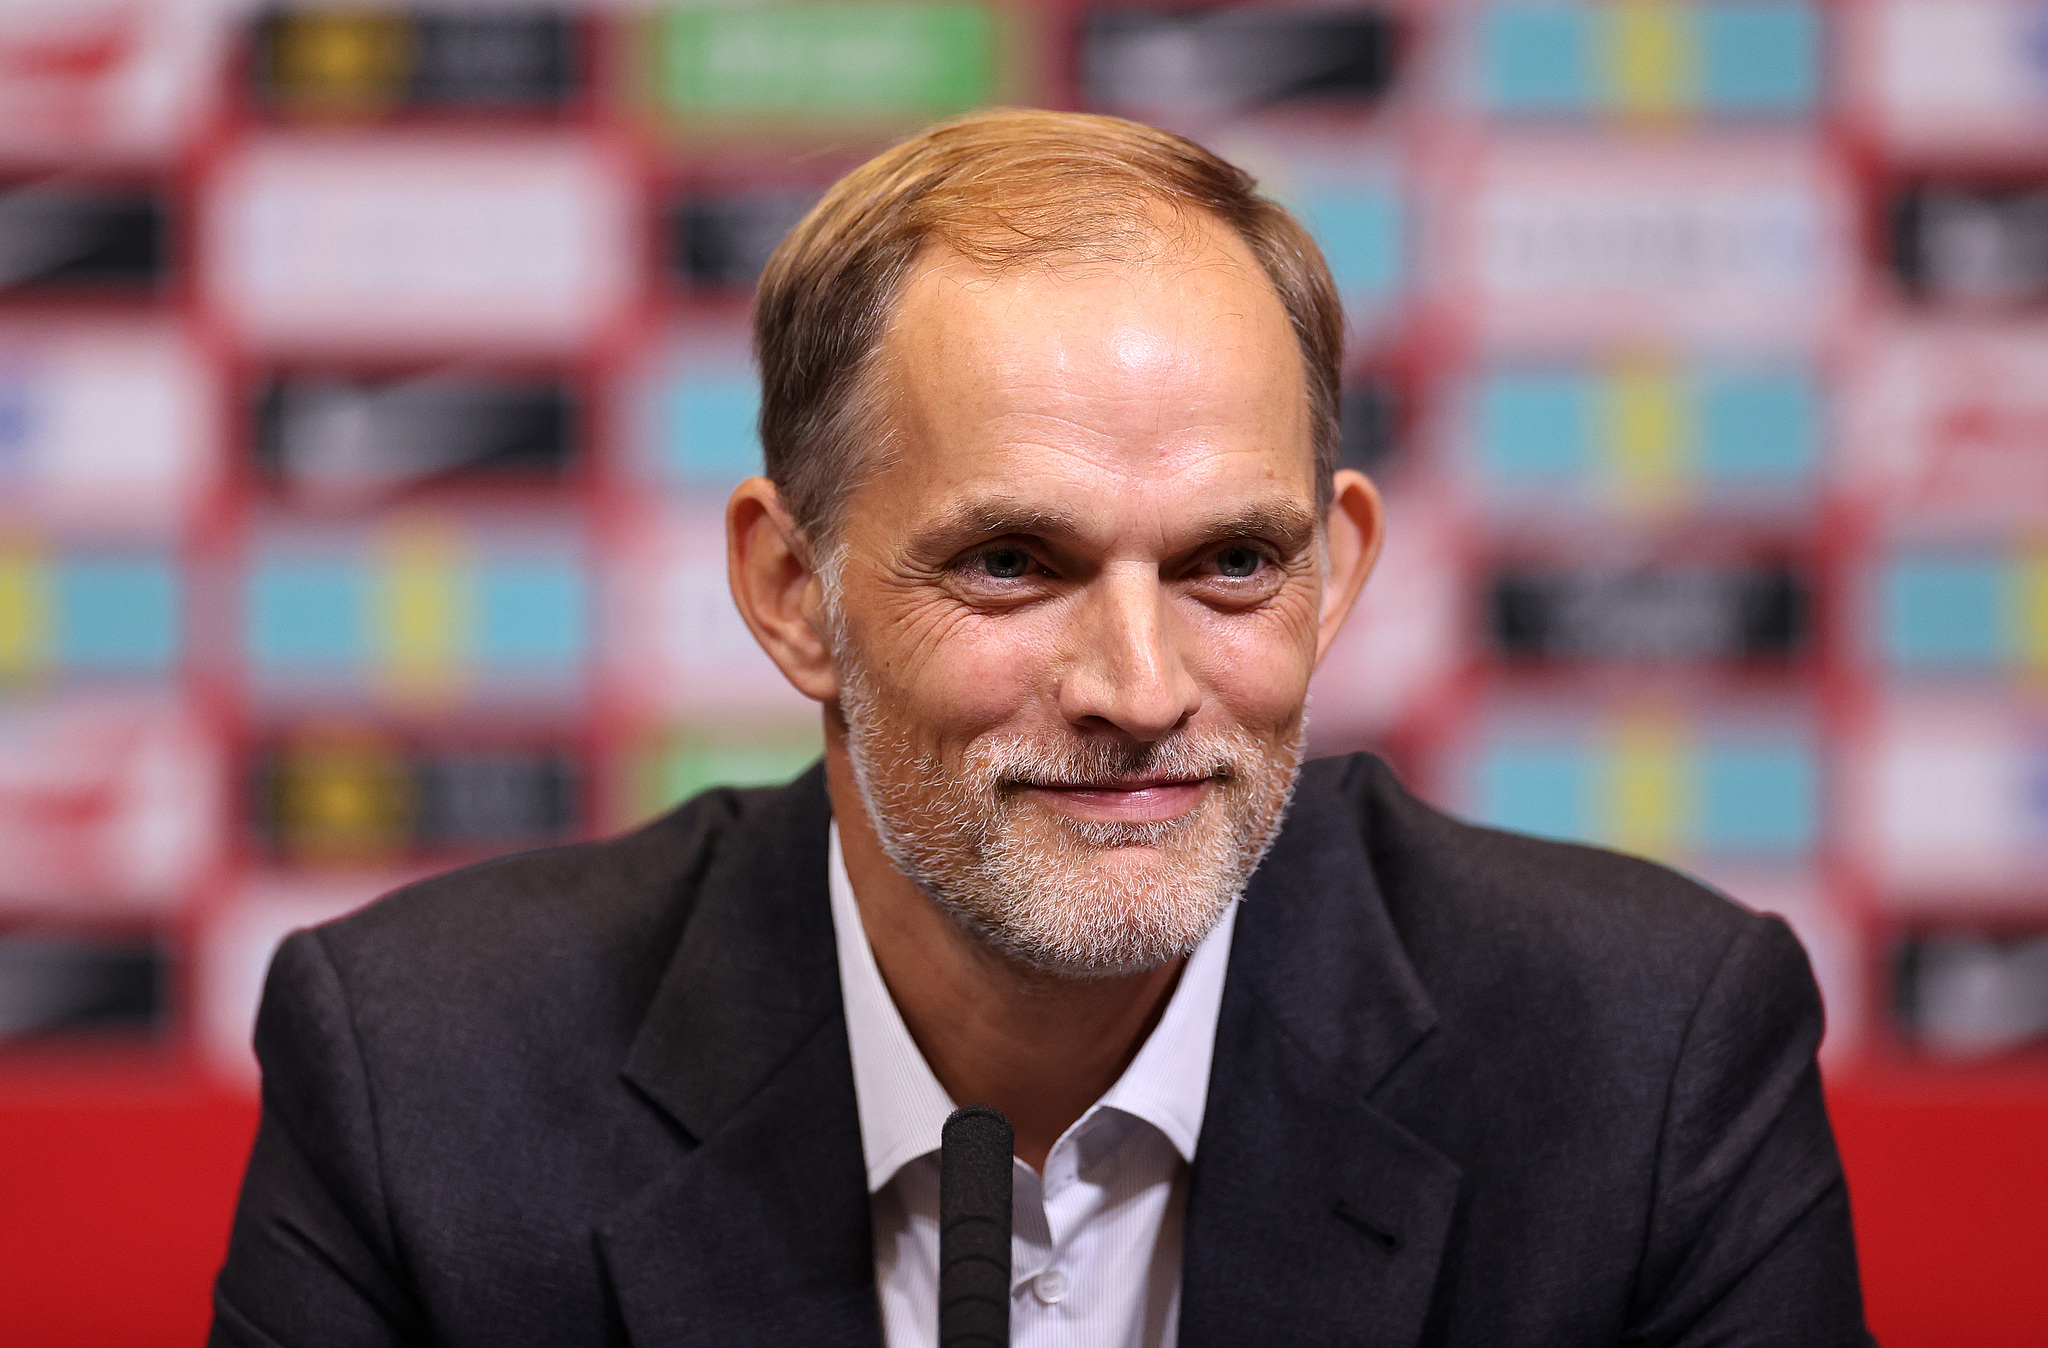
(1256, 665)
(953, 675)
(977, 681)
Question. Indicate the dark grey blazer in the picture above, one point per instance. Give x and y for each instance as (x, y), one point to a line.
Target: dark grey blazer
(1469, 1088)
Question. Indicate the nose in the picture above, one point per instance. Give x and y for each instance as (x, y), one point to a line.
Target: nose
(1127, 673)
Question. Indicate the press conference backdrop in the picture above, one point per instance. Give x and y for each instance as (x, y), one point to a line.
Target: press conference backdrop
(372, 378)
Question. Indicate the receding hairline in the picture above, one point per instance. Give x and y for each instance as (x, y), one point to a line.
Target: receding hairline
(1194, 239)
(1188, 234)
(1008, 189)
(1188, 239)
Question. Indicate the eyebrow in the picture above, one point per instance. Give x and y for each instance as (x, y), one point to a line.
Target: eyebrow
(1286, 523)
(1289, 525)
(994, 516)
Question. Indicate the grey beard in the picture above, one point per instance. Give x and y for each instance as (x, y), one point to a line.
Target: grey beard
(1063, 906)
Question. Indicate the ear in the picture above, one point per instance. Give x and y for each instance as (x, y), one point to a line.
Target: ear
(1356, 526)
(769, 565)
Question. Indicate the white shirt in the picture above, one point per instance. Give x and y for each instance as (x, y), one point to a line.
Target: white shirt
(1096, 1250)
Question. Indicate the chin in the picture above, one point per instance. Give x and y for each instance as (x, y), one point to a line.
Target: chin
(1087, 909)
(1133, 878)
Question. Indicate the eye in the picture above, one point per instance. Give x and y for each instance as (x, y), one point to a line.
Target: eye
(1239, 562)
(1003, 563)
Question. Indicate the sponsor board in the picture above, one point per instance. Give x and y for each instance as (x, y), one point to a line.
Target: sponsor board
(107, 803)
(391, 245)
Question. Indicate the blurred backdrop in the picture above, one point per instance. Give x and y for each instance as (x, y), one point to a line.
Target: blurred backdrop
(372, 379)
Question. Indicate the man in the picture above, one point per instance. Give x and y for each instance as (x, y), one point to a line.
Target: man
(1052, 531)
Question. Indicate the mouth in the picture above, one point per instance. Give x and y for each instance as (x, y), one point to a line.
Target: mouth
(1132, 800)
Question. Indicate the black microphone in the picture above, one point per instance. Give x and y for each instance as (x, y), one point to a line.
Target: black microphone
(974, 1229)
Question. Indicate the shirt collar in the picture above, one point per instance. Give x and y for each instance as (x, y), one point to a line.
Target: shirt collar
(903, 1106)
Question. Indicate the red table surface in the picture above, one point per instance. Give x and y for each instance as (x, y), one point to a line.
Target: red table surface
(116, 1206)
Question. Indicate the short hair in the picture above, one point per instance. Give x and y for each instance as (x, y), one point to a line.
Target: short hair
(1003, 187)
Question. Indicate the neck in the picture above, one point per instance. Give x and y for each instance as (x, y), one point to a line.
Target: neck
(1039, 1047)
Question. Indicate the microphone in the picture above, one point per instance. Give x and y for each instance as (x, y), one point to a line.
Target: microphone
(974, 1229)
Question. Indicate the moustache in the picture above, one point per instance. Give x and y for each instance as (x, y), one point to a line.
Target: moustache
(1017, 762)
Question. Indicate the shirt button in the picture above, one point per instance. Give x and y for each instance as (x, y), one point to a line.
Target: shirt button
(1050, 1287)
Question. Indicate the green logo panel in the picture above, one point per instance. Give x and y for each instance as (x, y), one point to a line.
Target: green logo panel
(825, 61)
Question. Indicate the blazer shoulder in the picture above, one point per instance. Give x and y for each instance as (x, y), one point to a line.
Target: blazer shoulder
(1467, 899)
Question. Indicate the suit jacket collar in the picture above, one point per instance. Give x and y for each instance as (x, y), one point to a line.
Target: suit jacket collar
(1312, 1217)
(756, 970)
(759, 1234)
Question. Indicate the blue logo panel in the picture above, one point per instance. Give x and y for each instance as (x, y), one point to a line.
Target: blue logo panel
(1759, 798)
(307, 613)
(1760, 56)
(1360, 235)
(1942, 612)
(531, 613)
(117, 616)
(1759, 428)
(1537, 788)
(1537, 58)
(1534, 427)
(709, 435)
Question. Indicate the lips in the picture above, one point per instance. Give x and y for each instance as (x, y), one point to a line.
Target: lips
(1121, 784)
(1142, 800)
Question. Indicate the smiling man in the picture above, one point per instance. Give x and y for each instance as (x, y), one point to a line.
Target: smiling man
(1052, 530)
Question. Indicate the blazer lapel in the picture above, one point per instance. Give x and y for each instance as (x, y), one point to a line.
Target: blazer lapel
(1312, 1217)
(760, 1232)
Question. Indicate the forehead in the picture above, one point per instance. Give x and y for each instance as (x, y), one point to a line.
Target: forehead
(1178, 365)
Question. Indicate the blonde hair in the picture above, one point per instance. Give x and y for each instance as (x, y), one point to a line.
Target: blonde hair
(1004, 188)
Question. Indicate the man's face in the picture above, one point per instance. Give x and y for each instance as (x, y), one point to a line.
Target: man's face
(1075, 611)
